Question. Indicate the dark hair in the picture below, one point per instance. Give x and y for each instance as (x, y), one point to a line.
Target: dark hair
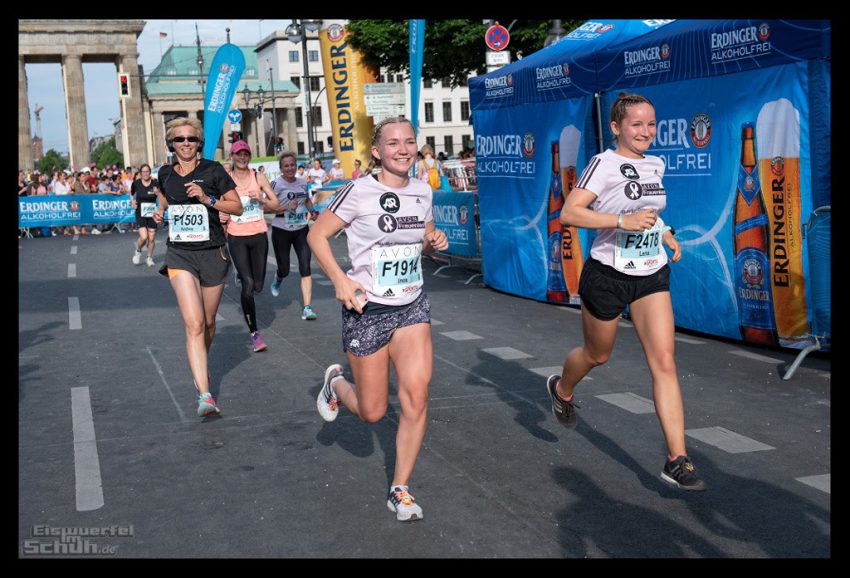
(623, 102)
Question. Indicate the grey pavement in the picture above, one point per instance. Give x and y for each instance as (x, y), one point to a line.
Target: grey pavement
(109, 442)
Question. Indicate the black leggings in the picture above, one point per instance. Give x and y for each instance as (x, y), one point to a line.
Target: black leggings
(283, 240)
(249, 254)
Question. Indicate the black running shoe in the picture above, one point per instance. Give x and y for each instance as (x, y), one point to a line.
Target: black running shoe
(681, 473)
(564, 411)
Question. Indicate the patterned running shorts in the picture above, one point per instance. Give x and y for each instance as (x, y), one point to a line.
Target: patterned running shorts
(364, 334)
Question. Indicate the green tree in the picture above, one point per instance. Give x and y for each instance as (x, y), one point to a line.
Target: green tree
(453, 48)
(105, 154)
(51, 161)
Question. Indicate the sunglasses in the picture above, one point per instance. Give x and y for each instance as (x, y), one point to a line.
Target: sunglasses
(185, 138)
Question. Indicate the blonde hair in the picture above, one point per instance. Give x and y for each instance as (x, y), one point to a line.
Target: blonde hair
(183, 121)
(376, 136)
(427, 150)
(285, 154)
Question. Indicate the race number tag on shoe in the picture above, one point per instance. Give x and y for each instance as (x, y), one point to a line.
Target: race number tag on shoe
(251, 211)
(396, 270)
(189, 223)
(638, 250)
(147, 209)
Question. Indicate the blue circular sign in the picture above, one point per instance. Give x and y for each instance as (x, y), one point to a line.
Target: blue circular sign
(497, 37)
(234, 116)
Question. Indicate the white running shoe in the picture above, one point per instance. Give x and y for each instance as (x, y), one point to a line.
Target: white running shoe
(327, 402)
(149, 262)
(137, 257)
(403, 504)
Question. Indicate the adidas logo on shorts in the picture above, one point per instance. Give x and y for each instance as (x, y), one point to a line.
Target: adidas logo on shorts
(389, 293)
(630, 265)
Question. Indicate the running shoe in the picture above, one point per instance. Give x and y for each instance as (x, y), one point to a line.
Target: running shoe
(206, 405)
(257, 342)
(327, 402)
(403, 504)
(682, 474)
(149, 262)
(137, 257)
(308, 314)
(564, 411)
(276, 287)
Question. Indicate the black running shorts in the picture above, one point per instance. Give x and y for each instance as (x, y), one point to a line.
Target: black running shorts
(364, 334)
(606, 292)
(210, 266)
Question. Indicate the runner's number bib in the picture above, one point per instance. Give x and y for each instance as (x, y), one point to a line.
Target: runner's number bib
(298, 216)
(189, 223)
(638, 250)
(396, 270)
(147, 209)
(251, 211)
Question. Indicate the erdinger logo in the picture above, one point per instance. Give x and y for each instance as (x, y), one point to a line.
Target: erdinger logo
(528, 145)
(701, 130)
(606, 28)
(665, 52)
(74, 206)
(224, 68)
(764, 31)
(633, 190)
(464, 214)
(335, 32)
(749, 183)
(777, 166)
(752, 273)
(629, 172)
(499, 86)
(390, 203)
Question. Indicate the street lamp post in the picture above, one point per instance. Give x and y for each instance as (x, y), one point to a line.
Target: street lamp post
(297, 32)
(274, 115)
(257, 111)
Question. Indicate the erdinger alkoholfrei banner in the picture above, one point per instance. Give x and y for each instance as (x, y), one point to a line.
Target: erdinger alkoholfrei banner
(345, 75)
(705, 128)
(417, 56)
(225, 71)
(454, 214)
(65, 210)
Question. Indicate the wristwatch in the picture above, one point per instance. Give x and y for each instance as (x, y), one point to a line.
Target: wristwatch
(212, 201)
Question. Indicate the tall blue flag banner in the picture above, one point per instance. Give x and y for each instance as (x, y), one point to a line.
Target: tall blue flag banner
(417, 49)
(225, 72)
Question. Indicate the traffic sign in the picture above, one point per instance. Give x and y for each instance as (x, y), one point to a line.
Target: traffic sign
(235, 126)
(383, 88)
(234, 115)
(383, 99)
(497, 58)
(497, 37)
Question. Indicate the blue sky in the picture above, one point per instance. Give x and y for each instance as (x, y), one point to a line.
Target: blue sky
(101, 84)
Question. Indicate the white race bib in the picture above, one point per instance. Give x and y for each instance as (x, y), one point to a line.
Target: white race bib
(638, 250)
(147, 209)
(396, 270)
(251, 211)
(189, 224)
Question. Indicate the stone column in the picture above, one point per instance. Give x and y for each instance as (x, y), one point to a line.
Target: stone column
(132, 115)
(25, 156)
(290, 131)
(75, 108)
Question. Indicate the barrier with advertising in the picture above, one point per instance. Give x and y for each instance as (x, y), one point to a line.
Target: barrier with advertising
(65, 210)
(454, 213)
(742, 111)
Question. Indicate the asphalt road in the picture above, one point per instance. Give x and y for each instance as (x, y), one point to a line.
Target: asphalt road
(112, 455)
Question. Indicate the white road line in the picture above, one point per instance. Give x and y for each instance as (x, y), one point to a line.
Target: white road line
(630, 402)
(689, 340)
(74, 250)
(506, 353)
(625, 324)
(218, 317)
(755, 356)
(553, 370)
(324, 282)
(72, 270)
(822, 482)
(170, 393)
(75, 320)
(570, 310)
(461, 335)
(726, 440)
(76, 237)
(435, 322)
(86, 462)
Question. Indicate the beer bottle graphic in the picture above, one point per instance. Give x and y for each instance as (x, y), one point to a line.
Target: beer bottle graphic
(778, 127)
(556, 289)
(572, 258)
(750, 241)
